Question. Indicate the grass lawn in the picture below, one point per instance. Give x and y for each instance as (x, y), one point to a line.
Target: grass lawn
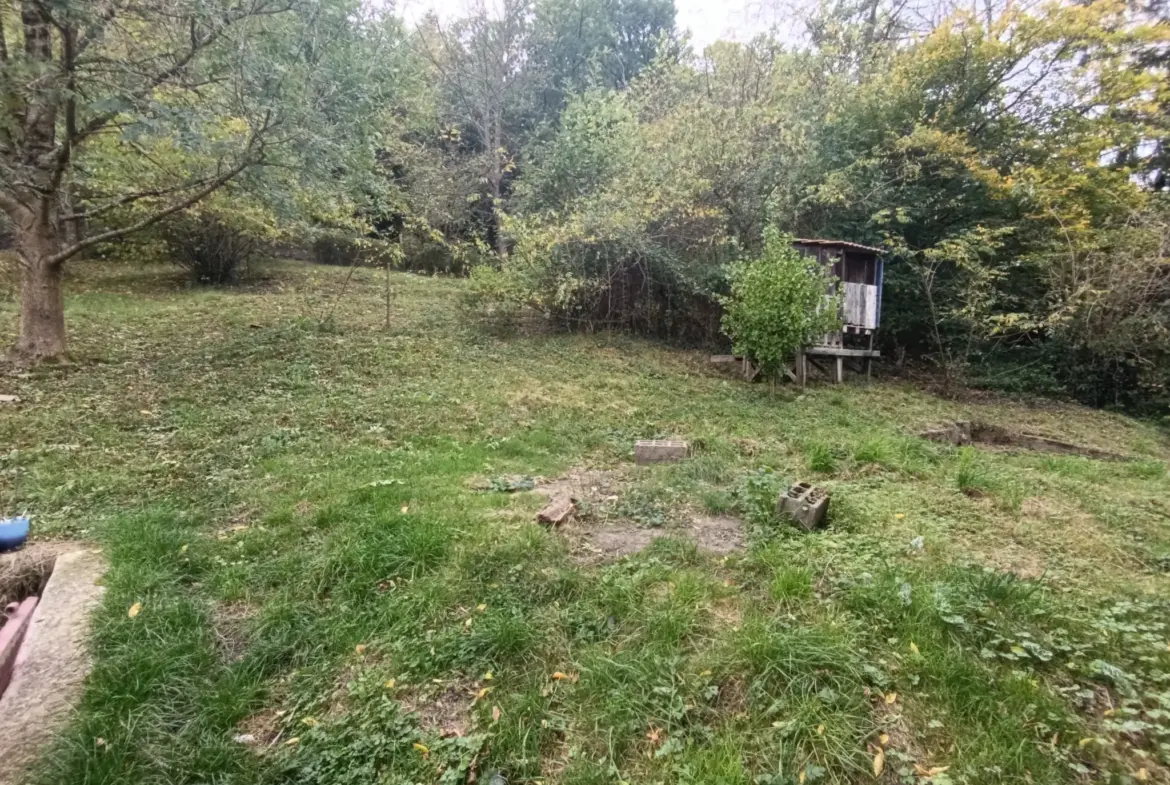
(336, 586)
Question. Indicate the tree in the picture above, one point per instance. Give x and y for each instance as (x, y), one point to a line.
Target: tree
(221, 85)
(481, 61)
(595, 43)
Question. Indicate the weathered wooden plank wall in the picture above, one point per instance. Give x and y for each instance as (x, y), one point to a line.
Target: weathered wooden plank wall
(861, 305)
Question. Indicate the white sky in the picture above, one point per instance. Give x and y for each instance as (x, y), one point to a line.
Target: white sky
(708, 20)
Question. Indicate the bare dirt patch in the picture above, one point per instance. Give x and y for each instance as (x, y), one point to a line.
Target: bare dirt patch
(961, 432)
(610, 543)
(732, 698)
(597, 535)
(594, 541)
(230, 620)
(591, 486)
(262, 729)
(727, 614)
(718, 533)
(446, 710)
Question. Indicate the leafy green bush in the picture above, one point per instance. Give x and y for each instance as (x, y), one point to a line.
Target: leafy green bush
(613, 228)
(495, 295)
(779, 302)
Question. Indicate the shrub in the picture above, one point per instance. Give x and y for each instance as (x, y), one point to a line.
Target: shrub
(210, 249)
(495, 296)
(336, 249)
(779, 303)
(434, 255)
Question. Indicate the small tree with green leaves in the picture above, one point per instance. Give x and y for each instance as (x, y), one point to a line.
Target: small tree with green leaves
(779, 303)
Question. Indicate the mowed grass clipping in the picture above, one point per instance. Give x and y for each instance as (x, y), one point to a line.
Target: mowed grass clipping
(336, 587)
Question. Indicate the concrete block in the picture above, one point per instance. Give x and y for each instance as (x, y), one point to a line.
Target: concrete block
(805, 504)
(51, 664)
(659, 450)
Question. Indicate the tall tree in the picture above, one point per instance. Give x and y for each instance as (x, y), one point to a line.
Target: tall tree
(226, 83)
(601, 43)
(480, 60)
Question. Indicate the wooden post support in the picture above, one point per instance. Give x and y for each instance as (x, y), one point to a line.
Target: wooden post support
(801, 368)
(840, 370)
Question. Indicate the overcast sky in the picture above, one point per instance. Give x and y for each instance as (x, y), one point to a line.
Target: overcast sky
(707, 20)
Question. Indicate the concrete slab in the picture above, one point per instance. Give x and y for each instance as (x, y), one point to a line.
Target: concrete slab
(51, 665)
(660, 450)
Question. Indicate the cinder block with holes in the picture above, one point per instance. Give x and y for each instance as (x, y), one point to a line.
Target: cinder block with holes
(805, 504)
(660, 450)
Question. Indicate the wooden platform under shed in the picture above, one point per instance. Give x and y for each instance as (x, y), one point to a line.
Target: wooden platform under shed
(839, 355)
(809, 357)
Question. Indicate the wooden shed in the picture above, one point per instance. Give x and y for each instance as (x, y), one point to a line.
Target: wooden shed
(859, 269)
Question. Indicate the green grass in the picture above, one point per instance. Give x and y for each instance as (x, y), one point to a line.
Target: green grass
(303, 506)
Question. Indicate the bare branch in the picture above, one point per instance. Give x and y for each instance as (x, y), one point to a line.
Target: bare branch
(126, 199)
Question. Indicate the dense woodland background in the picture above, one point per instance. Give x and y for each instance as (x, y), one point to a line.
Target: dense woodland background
(580, 160)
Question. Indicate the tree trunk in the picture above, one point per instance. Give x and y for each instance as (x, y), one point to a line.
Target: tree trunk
(42, 299)
(497, 209)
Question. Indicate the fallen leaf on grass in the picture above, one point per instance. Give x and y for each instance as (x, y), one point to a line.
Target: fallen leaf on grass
(913, 647)
(879, 762)
(360, 648)
(424, 749)
(933, 771)
(559, 676)
(135, 609)
(496, 713)
(892, 697)
(884, 739)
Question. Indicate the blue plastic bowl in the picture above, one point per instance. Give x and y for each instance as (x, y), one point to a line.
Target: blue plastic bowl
(13, 533)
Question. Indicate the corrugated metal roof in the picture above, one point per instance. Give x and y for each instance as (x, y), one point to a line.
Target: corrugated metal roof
(842, 244)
